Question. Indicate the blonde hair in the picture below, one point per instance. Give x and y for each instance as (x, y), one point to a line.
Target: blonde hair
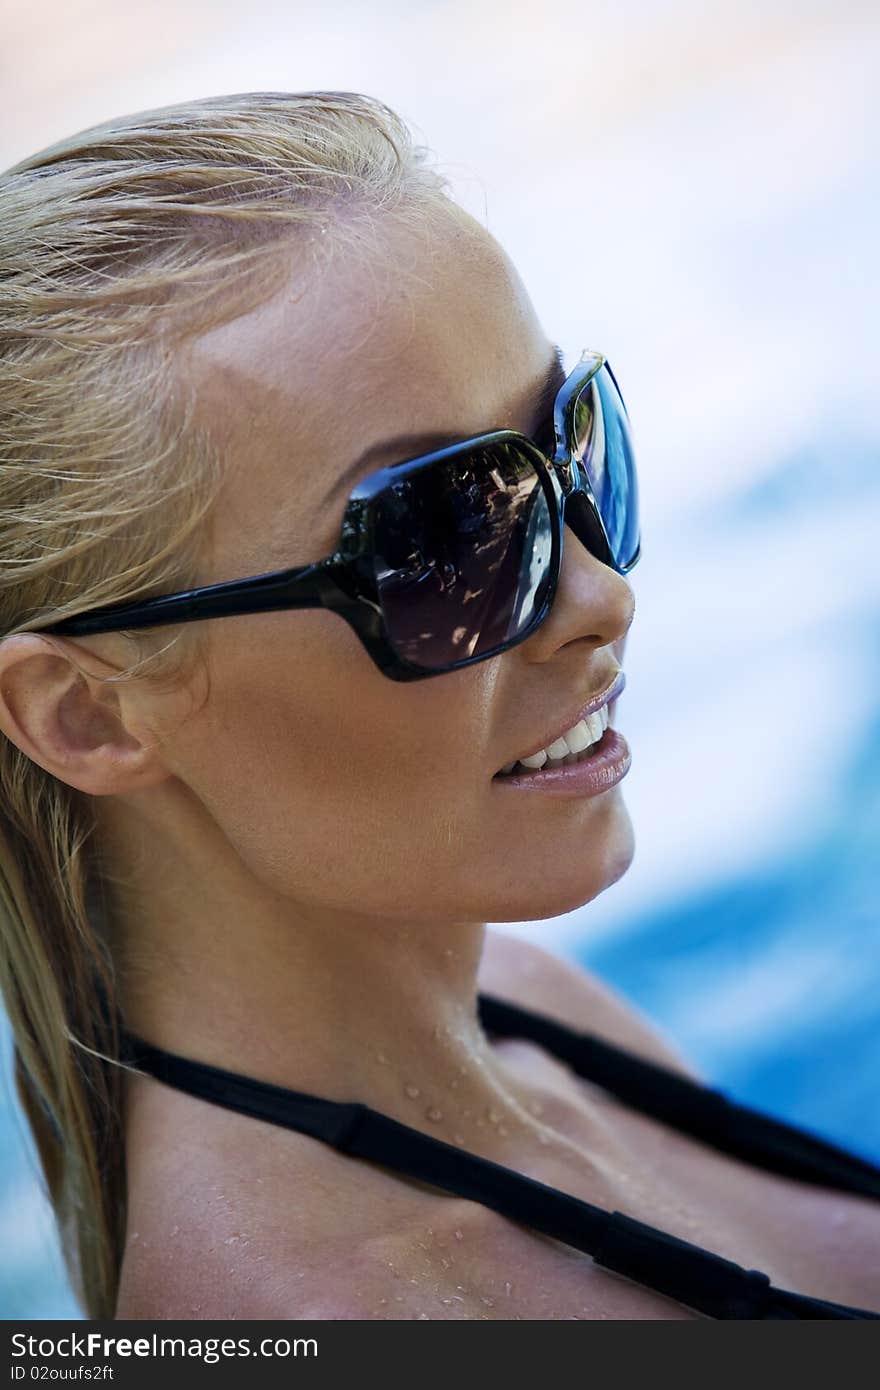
(114, 244)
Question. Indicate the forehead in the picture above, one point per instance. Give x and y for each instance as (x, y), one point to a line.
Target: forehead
(419, 329)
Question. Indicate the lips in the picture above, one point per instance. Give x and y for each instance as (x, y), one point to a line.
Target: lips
(595, 702)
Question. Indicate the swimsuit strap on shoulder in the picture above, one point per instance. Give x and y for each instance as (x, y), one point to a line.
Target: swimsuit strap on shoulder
(696, 1277)
(688, 1105)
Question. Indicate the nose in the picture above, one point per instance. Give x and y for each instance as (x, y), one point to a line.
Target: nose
(582, 522)
(593, 605)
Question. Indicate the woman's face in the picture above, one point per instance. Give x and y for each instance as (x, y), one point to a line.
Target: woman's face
(338, 787)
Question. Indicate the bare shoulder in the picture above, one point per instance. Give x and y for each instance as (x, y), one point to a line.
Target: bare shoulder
(204, 1290)
(200, 1286)
(230, 1217)
(528, 974)
(217, 1264)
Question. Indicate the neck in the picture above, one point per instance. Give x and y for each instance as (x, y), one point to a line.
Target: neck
(335, 1004)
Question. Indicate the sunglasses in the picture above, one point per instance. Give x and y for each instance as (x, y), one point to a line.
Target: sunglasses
(452, 557)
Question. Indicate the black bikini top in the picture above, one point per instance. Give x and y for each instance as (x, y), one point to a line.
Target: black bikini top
(695, 1277)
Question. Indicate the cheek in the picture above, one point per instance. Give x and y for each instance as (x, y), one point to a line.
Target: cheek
(331, 781)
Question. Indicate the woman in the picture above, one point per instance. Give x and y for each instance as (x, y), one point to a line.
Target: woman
(270, 844)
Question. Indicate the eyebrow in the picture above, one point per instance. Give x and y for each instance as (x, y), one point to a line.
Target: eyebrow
(409, 446)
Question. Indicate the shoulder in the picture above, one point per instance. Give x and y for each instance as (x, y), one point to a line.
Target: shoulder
(199, 1286)
(215, 1263)
(229, 1217)
(524, 973)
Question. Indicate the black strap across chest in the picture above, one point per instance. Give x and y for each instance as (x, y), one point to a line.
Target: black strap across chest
(701, 1280)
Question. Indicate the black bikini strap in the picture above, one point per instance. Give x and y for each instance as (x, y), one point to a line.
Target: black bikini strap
(686, 1104)
(696, 1277)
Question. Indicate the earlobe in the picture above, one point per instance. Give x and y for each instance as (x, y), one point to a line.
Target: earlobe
(59, 710)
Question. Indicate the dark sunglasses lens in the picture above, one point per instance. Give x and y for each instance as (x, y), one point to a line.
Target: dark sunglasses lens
(463, 550)
(604, 447)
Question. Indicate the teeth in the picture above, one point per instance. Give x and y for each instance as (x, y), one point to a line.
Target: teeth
(536, 760)
(559, 749)
(579, 737)
(575, 740)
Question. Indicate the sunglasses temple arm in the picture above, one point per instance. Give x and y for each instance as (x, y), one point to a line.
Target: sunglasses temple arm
(307, 587)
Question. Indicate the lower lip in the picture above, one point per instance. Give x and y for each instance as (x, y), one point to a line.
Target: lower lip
(604, 769)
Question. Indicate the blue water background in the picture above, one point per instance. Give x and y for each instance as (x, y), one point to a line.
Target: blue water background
(702, 205)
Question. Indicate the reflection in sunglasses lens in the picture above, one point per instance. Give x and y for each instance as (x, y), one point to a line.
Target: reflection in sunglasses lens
(463, 552)
(603, 445)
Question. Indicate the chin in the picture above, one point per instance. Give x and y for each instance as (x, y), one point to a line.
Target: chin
(568, 880)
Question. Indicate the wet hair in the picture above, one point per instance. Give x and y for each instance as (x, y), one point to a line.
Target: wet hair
(115, 244)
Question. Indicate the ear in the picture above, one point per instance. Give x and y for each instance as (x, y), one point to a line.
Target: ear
(56, 707)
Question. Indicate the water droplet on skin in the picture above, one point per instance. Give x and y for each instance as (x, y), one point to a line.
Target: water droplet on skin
(502, 1129)
(459, 1235)
(507, 1287)
(459, 1138)
(413, 1092)
(421, 1316)
(493, 1117)
(462, 1071)
(446, 1300)
(174, 1230)
(432, 1113)
(489, 1302)
(382, 1059)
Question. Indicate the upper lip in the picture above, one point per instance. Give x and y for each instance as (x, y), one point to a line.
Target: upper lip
(594, 702)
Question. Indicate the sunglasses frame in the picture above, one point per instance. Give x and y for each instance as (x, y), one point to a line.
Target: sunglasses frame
(345, 583)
